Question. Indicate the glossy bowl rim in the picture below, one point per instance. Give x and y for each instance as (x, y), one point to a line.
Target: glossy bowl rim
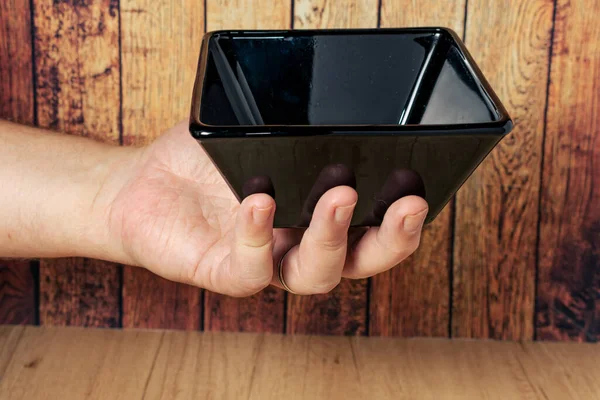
(203, 131)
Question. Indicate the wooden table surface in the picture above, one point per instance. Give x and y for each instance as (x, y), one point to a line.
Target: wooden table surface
(75, 363)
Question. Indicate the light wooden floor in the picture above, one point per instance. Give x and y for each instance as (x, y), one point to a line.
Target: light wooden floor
(74, 363)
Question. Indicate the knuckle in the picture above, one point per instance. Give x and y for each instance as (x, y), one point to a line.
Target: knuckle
(333, 244)
(257, 243)
(330, 244)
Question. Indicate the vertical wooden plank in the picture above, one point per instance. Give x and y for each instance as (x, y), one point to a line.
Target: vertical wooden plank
(344, 310)
(16, 70)
(497, 209)
(17, 293)
(407, 13)
(248, 14)
(263, 312)
(320, 14)
(17, 285)
(568, 302)
(413, 299)
(160, 43)
(77, 81)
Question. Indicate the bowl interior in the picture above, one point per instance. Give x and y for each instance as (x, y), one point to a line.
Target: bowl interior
(338, 78)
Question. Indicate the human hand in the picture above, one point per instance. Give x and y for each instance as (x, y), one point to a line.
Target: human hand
(174, 214)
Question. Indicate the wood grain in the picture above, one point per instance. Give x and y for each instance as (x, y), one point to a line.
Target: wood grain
(321, 14)
(248, 14)
(568, 302)
(153, 302)
(79, 292)
(16, 67)
(72, 363)
(497, 209)
(553, 364)
(77, 77)
(263, 312)
(75, 364)
(406, 13)
(9, 338)
(343, 311)
(17, 285)
(17, 293)
(77, 81)
(413, 299)
(442, 369)
(160, 44)
(204, 366)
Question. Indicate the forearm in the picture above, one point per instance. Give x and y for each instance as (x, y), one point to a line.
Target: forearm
(55, 193)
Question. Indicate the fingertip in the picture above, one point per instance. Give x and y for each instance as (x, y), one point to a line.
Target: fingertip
(340, 196)
(258, 200)
(258, 207)
(336, 205)
(409, 205)
(255, 217)
(385, 246)
(405, 217)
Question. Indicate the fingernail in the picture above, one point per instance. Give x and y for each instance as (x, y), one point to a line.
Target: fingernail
(343, 215)
(414, 222)
(261, 215)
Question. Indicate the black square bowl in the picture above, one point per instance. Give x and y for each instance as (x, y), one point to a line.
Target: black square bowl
(390, 112)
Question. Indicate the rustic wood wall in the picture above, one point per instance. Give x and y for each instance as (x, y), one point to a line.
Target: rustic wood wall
(516, 255)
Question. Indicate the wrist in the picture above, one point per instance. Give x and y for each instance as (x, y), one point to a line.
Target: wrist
(56, 191)
(99, 236)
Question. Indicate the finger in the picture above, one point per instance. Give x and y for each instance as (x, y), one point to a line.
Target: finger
(331, 176)
(399, 183)
(384, 247)
(315, 266)
(250, 266)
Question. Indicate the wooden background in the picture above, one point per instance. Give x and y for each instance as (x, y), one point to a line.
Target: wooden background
(515, 256)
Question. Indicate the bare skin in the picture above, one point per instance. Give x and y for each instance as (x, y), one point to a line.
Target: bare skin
(166, 208)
